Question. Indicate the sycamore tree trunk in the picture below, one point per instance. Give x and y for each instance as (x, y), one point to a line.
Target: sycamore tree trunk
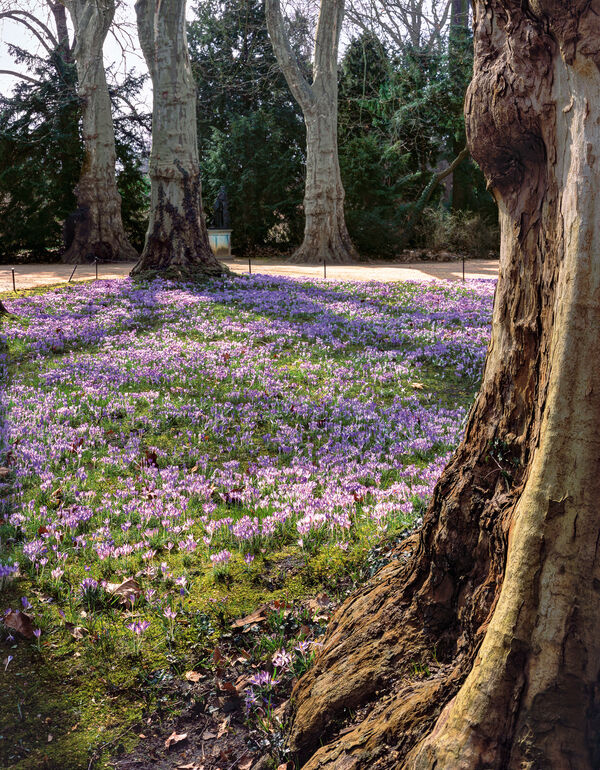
(326, 237)
(97, 227)
(458, 44)
(177, 239)
(479, 647)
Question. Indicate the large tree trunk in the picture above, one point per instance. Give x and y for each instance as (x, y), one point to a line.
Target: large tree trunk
(326, 237)
(498, 595)
(97, 225)
(177, 239)
(458, 42)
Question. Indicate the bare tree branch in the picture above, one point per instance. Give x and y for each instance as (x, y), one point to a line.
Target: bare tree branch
(300, 88)
(17, 16)
(20, 75)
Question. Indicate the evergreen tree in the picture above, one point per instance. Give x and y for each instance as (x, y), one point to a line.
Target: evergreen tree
(40, 157)
(41, 154)
(250, 130)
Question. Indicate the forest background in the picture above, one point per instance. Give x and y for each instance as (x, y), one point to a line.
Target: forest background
(401, 94)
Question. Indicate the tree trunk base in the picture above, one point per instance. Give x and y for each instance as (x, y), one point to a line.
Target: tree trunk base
(379, 683)
(89, 252)
(185, 273)
(309, 254)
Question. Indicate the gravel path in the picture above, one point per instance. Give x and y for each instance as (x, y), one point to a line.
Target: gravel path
(29, 276)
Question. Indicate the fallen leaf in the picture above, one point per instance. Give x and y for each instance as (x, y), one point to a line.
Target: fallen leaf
(258, 616)
(193, 676)
(228, 687)
(217, 656)
(417, 385)
(141, 735)
(175, 738)
(320, 602)
(223, 727)
(50, 738)
(242, 682)
(190, 766)
(246, 765)
(77, 632)
(208, 736)
(125, 590)
(19, 622)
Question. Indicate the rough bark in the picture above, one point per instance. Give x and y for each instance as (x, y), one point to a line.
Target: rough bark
(98, 227)
(326, 237)
(177, 239)
(498, 594)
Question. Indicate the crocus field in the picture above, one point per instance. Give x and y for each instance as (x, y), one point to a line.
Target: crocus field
(175, 458)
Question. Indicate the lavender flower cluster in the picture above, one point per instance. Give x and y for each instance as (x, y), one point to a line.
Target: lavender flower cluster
(155, 419)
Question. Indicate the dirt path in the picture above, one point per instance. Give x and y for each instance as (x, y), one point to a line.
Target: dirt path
(29, 276)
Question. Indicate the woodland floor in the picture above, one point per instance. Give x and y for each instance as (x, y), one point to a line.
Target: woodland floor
(193, 478)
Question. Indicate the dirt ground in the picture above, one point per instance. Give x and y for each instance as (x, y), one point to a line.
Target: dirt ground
(32, 275)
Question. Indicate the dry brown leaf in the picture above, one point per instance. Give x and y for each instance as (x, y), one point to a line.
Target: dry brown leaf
(125, 590)
(190, 766)
(241, 682)
(193, 676)
(216, 656)
(175, 738)
(223, 727)
(50, 738)
(320, 602)
(258, 616)
(246, 765)
(208, 736)
(19, 622)
(77, 632)
(417, 385)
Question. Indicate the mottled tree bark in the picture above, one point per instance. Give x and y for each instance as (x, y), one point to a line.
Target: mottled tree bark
(498, 595)
(326, 237)
(98, 227)
(177, 239)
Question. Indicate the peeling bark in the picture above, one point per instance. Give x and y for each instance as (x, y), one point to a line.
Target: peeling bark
(326, 237)
(177, 239)
(98, 227)
(499, 592)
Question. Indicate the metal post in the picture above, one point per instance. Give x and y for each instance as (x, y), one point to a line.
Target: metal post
(96, 261)
(463, 261)
(249, 266)
(13, 277)
(73, 273)
(324, 268)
